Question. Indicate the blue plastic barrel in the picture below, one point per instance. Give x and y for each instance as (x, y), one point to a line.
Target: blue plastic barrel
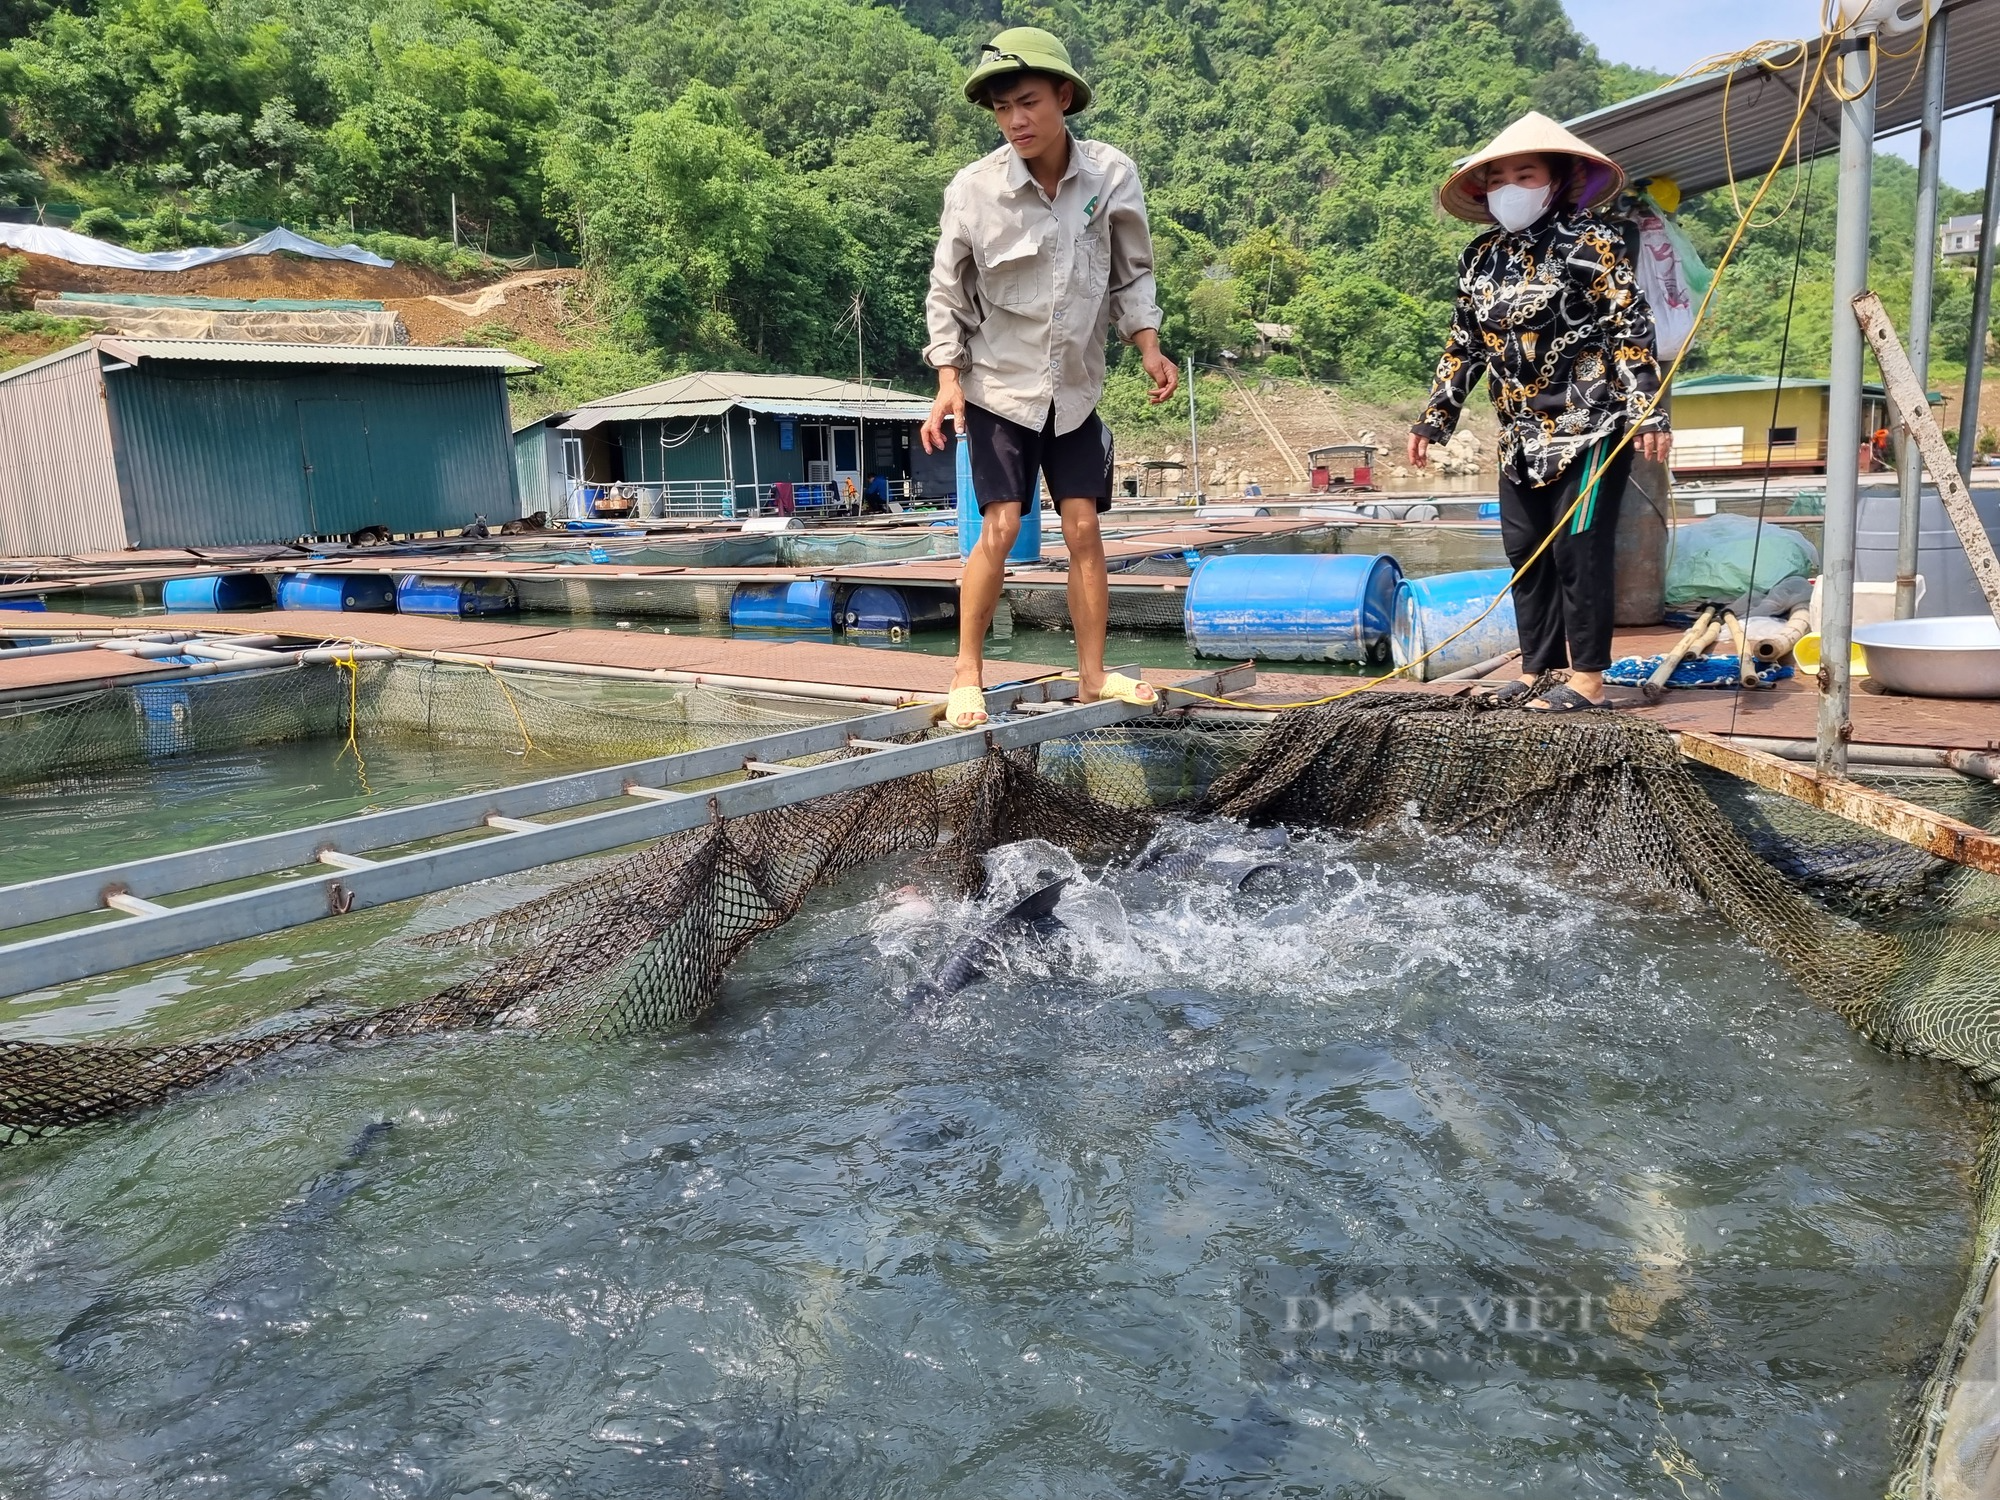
(1292, 607)
(1489, 510)
(1431, 610)
(1027, 546)
(895, 613)
(802, 605)
(336, 591)
(216, 591)
(457, 598)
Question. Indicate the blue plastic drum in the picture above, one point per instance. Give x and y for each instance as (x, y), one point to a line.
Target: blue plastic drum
(1429, 611)
(806, 604)
(1310, 607)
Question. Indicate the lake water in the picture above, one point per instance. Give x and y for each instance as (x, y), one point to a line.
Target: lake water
(1041, 1237)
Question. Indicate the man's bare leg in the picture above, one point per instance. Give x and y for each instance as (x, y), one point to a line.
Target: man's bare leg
(1089, 593)
(979, 589)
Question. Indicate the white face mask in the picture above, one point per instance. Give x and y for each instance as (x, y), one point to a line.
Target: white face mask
(1516, 207)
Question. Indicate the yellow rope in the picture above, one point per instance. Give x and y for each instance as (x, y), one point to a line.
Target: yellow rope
(1806, 93)
(527, 740)
(351, 665)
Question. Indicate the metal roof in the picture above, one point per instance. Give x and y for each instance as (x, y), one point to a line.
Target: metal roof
(896, 407)
(1730, 385)
(219, 351)
(708, 393)
(1677, 131)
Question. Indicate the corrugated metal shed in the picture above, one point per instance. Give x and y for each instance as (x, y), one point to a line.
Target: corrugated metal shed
(123, 442)
(57, 497)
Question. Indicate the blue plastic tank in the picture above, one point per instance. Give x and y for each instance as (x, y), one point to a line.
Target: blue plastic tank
(216, 591)
(806, 604)
(1489, 510)
(457, 598)
(336, 591)
(1027, 546)
(1431, 610)
(896, 613)
(1282, 607)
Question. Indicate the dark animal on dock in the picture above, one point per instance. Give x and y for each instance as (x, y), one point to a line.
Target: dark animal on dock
(1034, 916)
(539, 521)
(477, 530)
(368, 536)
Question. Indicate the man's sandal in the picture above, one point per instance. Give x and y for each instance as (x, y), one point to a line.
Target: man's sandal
(965, 707)
(1122, 689)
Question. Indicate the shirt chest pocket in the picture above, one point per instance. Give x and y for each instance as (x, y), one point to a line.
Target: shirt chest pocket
(1092, 272)
(1014, 273)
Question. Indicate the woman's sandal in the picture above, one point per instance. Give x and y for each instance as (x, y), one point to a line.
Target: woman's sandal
(965, 707)
(1122, 689)
(1564, 699)
(1502, 695)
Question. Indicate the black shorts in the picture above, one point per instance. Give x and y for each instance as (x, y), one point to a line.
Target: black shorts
(1006, 456)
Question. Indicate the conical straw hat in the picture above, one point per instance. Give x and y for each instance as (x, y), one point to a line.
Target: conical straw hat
(1463, 195)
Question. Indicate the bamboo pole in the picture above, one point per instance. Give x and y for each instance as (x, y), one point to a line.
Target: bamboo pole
(1692, 641)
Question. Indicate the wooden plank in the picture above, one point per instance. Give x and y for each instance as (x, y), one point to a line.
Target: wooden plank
(1913, 408)
(1919, 827)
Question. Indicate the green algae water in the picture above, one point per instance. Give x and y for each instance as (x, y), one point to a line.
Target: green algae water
(1212, 1192)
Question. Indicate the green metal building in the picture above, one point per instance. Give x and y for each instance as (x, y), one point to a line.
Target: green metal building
(122, 442)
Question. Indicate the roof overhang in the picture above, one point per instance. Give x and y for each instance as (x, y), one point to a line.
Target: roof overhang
(378, 356)
(888, 409)
(1677, 131)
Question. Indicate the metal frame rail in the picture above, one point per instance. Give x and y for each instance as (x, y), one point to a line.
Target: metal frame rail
(149, 930)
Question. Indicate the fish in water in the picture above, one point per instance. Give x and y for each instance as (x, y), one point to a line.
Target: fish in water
(1215, 859)
(1034, 916)
(264, 1281)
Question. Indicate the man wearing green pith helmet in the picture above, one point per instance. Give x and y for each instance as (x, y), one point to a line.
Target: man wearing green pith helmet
(1043, 245)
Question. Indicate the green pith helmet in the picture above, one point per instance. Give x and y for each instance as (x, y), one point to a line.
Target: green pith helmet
(1024, 49)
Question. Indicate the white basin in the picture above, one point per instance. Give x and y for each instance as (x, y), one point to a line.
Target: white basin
(1952, 656)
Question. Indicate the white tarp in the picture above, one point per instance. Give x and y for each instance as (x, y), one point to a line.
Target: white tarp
(82, 250)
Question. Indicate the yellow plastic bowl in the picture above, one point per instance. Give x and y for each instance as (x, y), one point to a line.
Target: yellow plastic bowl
(1806, 654)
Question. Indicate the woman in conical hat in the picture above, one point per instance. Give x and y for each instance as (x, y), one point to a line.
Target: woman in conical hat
(1550, 311)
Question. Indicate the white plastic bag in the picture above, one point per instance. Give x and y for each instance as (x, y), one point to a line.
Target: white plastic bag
(1672, 277)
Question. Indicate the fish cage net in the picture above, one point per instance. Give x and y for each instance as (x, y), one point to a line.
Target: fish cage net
(1906, 947)
(539, 716)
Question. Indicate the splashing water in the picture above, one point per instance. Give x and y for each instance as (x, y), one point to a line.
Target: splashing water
(1039, 1239)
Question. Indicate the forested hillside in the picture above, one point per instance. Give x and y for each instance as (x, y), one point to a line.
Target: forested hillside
(737, 172)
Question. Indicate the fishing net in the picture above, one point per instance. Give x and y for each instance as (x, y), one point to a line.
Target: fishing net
(543, 716)
(636, 945)
(1904, 946)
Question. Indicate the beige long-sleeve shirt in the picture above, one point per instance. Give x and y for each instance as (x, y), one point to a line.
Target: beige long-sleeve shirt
(1024, 285)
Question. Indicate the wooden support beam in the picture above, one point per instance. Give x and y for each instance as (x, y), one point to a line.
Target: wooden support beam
(1913, 410)
(1919, 827)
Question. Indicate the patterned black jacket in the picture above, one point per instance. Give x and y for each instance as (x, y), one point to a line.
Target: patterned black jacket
(1555, 318)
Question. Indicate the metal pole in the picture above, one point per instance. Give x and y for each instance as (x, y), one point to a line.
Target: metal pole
(728, 468)
(756, 484)
(1194, 442)
(1982, 310)
(454, 221)
(1843, 443)
(1909, 514)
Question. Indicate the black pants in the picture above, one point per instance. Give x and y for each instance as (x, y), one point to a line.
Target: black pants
(1562, 604)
